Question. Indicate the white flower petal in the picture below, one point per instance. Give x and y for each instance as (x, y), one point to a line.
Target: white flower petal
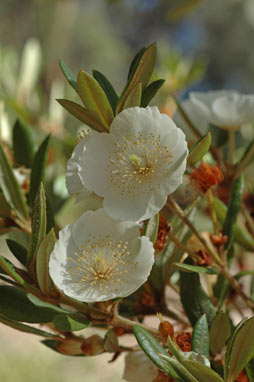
(98, 258)
(138, 367)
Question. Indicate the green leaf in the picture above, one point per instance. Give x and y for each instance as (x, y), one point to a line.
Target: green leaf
(150, 228)
(10, 270)
(199, 149)
(153, 350)
(17, 250)
(50, 215)
(42, 262)
(141, 71)
(242, 237)
(240, 349)
(15, 305)
(200, 337)
(68, 74)
(44, 304)
(201, 372)
(134, 97)
(70, 323)
(111, 342)
(94, 98)
(38, 168)
(193, 297)
(194, 268)
(82, 114)
(135, 62)
(39, 225)
(232, 212)
(250, 370)
(107, 87)
(150, 91)
(220, 331)
(24, 328)
(10, 187)
(23, 144)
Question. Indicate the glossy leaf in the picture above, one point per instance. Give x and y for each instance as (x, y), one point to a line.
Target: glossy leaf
(233, 209)
(141, 72)
(242, 237)
(15, 305)
(153, 350)
(193, 297)
(10, 187)
(220, 331)
(17, 250)
(194, 268)
(134, 97)
(107, 87)
(199, 149)
(200, 337)
(82, 114)
(42, 262)
(240, 349)
(70, 323)
(39, 225)
(151, 228)
(44, 304)
(201, 372)
(23, 145)
(24, 328)
(94, 98)
(150, 91)
(68, 74)
(38, 168)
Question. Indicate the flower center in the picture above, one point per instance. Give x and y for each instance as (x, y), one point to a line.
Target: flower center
(141, 166)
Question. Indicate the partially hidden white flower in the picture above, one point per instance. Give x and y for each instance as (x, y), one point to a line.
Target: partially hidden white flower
(225, 108)
(138, 367)
(98, 258)
(196, 117)
(135, 166)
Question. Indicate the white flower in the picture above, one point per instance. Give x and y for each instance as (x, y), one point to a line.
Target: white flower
(138, 367)
(137, 164)
(98, 258)
(225, 108)
(196, 117)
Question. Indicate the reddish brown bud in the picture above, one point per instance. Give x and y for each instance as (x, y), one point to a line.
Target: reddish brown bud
(204, 259)
(93, 345)
(206, 176)
(183, 340)
(163, 229)
(162, 377)
(119, 331)
(165, 330)
(218, 240)
(241, 377)
(70, 347)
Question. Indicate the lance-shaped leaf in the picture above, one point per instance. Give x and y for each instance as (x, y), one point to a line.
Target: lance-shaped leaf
(135, 62)
(200, 337)
(10, 270)
(193, 297)
(240, 349)
(134, 98)
(233, 209)
(199, 149)
(17, 250)
(242, 237)
(38, 169)
(70, 323)
(194, 268)
(24, 328)
(201, 372)
(23, 144)
(107, 87)
(39, 225)
(151, 228)
(82, 114)
(154, 350)
(141, 72)
(42, 262)
(150, 91)
(68, 74)
(15, 305)
(10, 187)
(94, 98)
(220, 331)
(44, 304)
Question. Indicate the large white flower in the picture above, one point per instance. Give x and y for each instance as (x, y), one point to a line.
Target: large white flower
(136, 165)
(138, 367)
(225, 108)
(98, 258)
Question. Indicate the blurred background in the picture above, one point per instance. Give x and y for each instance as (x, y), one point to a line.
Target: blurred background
(202, 45)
